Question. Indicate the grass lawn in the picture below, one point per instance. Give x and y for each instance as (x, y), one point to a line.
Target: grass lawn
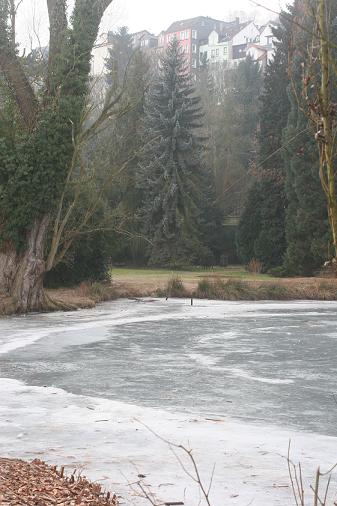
(218, 283)
(232, 271)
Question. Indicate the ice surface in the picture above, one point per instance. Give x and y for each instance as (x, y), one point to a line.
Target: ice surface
(76, 388)
(109, 441)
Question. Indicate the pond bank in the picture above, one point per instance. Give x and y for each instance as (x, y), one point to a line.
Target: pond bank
(198, 285)
(212, 288)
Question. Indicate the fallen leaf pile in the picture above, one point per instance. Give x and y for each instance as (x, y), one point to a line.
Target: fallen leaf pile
(37, 484)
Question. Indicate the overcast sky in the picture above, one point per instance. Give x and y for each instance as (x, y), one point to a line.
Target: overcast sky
(153, 15)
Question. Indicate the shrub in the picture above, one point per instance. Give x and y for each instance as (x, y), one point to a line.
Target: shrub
(278, 272)
(174, 288)
(235, 289)
(101, 291)
(232, 289)
(270, 291)
(205, 288)
(254, 266)
(88, 260)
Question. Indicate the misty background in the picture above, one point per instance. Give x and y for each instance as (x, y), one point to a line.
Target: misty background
(32, 23)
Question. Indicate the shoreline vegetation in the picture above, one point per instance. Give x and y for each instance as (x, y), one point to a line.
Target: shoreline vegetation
(231, 284)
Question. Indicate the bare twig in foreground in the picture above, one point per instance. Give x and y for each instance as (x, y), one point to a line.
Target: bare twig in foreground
(195, 474)
(320, 491)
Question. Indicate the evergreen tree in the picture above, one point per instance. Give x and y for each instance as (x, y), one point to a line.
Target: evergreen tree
(261, 232)
(37, 158)
(230, 97)
(306, 219)
(171, 173)
(119, 56)
(123, 139)
(238, 134)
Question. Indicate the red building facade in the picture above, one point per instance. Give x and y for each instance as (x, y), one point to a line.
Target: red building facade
(190, 33)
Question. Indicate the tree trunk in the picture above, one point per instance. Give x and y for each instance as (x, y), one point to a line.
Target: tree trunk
(21, 274)
(327, 119)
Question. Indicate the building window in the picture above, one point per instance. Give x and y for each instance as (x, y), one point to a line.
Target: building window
(194, 63)
(213, 53)
(194, 34)
(225, 50)
(194, 48)
(187, 49)
(182, 35)
(217, 52)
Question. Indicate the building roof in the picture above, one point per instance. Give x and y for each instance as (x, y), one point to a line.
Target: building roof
(233, 29)
(143, 33)
(192, 23)
(271, 24)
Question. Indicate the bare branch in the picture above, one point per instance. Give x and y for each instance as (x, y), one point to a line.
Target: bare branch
(319, 490)
(196, 477)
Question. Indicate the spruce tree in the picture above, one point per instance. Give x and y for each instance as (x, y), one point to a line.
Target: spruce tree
(171, 173)
(306, 219)
(261, 232)
(238, 133)
(231, 97)
(119, 56)
(124, 137)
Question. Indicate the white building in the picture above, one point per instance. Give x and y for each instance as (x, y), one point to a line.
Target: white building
(230, 46)
(266, 34)
(248, 34)
(216, 50)
(263, 50)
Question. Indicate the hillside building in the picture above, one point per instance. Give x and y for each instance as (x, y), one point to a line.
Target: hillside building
(230, 45)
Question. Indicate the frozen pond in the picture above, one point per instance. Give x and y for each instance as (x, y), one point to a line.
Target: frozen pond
(270, 362)
(243, 377)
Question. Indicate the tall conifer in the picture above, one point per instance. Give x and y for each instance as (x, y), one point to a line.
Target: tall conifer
(306, 219)
(171, 172)
(261, 232)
